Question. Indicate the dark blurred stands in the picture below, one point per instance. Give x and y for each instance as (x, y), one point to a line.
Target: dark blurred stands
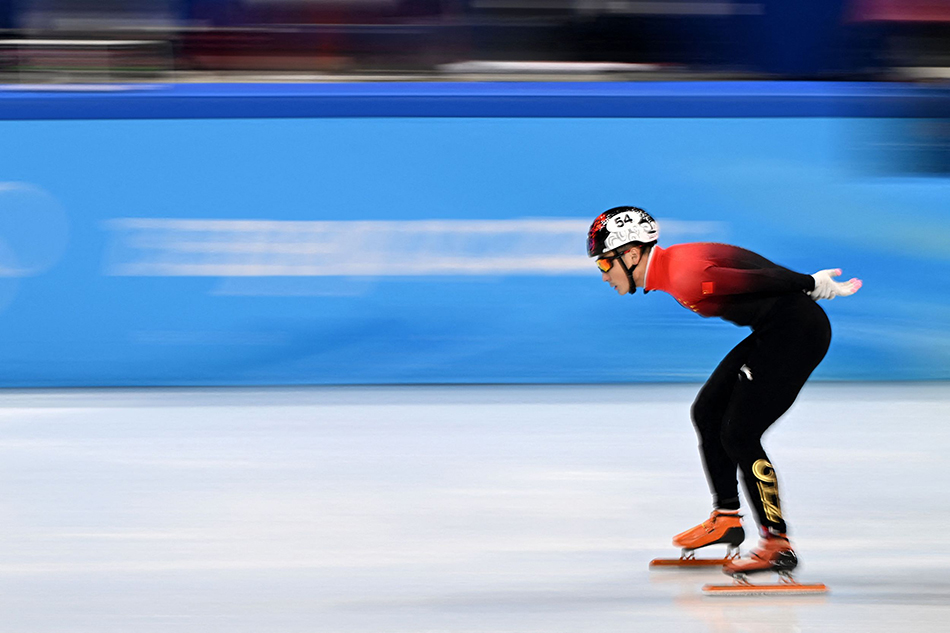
(181, 39)
(911, 37)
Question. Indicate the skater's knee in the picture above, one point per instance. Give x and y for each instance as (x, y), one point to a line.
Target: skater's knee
(702, 416)
(738, 441)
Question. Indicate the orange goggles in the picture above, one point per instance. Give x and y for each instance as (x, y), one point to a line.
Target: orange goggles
(606, 263)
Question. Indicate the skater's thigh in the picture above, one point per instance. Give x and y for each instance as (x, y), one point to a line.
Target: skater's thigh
(775, 371)
(713, 399)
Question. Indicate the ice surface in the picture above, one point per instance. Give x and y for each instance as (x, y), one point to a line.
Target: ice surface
(452, 509)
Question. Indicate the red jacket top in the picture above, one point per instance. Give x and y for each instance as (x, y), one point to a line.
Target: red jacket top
(718, 280)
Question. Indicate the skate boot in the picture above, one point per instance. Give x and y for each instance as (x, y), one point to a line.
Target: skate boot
(722, 526)
(774, 553)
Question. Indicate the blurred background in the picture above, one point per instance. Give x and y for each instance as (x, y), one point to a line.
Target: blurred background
(387, 202)
(257, 192)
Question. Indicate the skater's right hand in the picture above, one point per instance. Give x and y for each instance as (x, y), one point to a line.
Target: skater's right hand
(827, 288)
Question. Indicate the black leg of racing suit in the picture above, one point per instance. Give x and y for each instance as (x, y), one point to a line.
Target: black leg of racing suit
(751, 388)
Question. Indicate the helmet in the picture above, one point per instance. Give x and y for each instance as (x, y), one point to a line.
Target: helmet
(618, 227)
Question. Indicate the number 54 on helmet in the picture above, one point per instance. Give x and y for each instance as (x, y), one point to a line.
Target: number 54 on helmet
(618, 227)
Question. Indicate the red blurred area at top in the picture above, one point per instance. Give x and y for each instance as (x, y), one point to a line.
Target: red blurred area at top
(901, 10)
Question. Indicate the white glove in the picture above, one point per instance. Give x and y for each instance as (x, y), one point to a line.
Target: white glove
(827, 288)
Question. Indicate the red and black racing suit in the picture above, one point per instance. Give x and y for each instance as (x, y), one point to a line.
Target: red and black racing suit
(761, 377)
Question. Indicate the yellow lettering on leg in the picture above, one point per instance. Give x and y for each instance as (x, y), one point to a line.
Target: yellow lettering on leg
(768, 489)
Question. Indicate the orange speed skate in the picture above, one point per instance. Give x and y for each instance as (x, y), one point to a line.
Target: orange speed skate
(722, 526)
(774, 554)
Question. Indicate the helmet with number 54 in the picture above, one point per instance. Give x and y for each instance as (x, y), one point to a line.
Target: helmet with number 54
(618, 227)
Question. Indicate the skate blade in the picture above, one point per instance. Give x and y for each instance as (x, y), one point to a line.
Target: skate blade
(740, 588)
(689, 562)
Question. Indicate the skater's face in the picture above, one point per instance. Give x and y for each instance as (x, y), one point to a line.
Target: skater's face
(615, 275)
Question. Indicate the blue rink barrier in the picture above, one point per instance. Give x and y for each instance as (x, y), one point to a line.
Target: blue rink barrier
(434, 233)
(484, 99)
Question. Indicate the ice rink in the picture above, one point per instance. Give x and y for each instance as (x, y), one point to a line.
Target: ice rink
(507, 509)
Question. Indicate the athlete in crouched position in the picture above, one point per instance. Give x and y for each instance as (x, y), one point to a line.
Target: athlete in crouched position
(753, 385)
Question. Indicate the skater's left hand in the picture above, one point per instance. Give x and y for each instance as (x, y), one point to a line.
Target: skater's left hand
(827, 288)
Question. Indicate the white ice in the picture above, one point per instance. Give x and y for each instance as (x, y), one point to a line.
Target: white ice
(452, 509)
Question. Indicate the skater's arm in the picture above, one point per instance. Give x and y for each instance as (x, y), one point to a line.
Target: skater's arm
(720, 280)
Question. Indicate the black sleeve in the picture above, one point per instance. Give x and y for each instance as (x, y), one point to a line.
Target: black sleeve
(735, 270)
